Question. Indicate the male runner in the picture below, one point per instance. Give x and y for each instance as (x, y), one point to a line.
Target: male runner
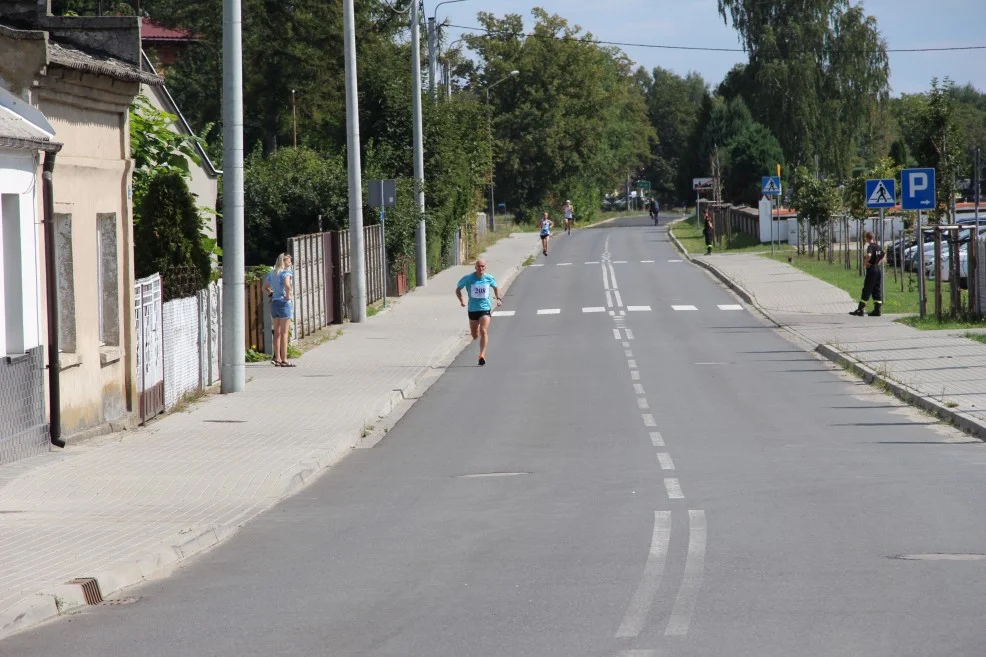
(480, 308)
(569, 213)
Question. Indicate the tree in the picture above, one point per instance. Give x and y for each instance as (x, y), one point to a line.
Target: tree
(168, 239)
(751, 154)
(673, 106)
(940, 145)
(572, 125)
(816, 200)
(817, 70)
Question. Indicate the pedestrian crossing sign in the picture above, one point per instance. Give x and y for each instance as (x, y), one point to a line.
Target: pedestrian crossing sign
(880, 193)
(771, 186)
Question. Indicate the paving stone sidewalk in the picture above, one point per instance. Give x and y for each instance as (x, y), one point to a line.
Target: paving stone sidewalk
(126, 506)
(941, 367)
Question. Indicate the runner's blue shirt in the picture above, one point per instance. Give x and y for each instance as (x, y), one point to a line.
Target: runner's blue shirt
(479, 291)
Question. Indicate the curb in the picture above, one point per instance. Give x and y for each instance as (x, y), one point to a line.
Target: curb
(63, 599)
(962, 421)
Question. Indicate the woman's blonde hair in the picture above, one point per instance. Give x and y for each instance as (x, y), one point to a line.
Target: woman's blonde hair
(280, 265)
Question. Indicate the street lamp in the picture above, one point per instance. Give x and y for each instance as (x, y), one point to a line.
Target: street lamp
(447, 68)
(433, 48)
(489, 111)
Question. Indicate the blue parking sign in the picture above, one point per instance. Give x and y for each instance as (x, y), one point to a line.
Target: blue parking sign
(917, 189)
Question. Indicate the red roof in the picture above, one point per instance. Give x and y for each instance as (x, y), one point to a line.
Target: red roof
(154, 31)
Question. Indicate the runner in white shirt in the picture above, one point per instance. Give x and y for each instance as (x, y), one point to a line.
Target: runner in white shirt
(569, 213)
(546, 225)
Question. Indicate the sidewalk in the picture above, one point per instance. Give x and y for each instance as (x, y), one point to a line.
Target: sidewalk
(939, 371)
(124, 507)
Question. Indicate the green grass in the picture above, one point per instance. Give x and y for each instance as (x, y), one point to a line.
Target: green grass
(929, 323)
(689, 233)
(978, 337)
(895, 300)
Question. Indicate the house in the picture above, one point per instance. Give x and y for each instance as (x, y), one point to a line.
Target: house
(164, 44)
(82, 74)
(25, 146)
(203, 177)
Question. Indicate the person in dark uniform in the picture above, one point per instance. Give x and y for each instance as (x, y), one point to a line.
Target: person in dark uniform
(709, 232)
(873, 283)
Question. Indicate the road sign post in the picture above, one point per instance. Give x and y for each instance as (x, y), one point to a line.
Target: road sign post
(771, 186)
(698, 184)
(917, 192)
(383, 195)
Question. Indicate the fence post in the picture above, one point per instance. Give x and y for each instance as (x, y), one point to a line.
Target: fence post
(339, 299)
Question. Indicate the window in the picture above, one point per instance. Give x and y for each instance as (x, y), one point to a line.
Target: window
(13, 275)
(109, 281)
(65, 274)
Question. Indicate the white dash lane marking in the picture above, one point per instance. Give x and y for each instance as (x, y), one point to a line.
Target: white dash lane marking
(549, 311)
(562, 264)
(629, 334)
(628, 353)
(643, 598)
(674, 261)
(592, 262)
(504, 313)
(638, 389)
(684, 604)
(649, 420)
(619, 299)
(646, 261)
(635, 375)
(638, 309)
(594, 309)
(609, 299)
(665, 460)
(674, 489)
(730, 306)
(684, 308)
(626, 345)
(642, 403)
(616, 334)
(657, 439)
(537, 265)
(619, 262)
(632, 363)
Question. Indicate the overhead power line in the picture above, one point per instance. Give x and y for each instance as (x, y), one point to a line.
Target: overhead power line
(698, 48)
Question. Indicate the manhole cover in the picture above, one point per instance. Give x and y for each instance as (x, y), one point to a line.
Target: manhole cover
(119, 601)
(939, 556)
(492, 474)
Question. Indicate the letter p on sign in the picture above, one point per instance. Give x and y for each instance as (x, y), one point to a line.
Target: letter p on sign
(919, 183)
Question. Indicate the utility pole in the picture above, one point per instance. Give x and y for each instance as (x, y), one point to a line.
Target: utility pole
(432, 59)
(975, 264)
(357, 281)
(233, 372)
(294, 119)
(421, 247)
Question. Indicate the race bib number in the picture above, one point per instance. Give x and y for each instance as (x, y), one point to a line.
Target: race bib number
(480, 291)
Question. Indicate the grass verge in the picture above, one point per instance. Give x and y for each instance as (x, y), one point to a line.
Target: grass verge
(689, 233)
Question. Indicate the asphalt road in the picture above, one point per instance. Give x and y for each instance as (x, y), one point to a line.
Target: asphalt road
(649, 471)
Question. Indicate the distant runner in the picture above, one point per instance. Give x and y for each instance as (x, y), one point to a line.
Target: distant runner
(480, 308)
(569, 213)
(546, 225)
(655, 210)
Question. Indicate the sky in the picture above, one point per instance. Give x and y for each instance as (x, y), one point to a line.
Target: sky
(903, 24)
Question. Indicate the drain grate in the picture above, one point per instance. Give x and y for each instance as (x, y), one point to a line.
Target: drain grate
(117, 602)
(90, 589)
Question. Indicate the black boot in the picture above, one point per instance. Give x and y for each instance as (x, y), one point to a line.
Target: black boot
(876, 310)
(859, 311)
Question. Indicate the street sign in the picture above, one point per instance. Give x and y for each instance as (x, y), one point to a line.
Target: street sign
(771, 186)
(917, 189)
(643, 184)
(703, 183)
(383, 193)
(880, 193)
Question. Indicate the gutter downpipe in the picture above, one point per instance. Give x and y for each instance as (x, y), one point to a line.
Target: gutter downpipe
(51, 289)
